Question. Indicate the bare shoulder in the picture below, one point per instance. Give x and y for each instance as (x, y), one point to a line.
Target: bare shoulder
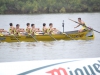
(82, 22)
(13, 27)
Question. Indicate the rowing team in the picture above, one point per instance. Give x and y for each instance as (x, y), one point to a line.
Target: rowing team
(30, 30)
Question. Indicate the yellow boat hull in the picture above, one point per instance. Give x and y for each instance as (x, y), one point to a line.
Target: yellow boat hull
(66, 36)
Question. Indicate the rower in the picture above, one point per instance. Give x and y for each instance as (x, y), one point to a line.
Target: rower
(11, 29)
(52, 30)
(84, 27)
(18, 31)
(28, 29)
(37, 29)
(22, 31)
(1, 32)
(44, 29)
(34, 31)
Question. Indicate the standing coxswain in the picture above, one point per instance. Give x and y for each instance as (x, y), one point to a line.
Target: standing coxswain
(82, 23)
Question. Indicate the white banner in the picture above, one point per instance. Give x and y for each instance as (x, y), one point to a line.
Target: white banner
(88, 66)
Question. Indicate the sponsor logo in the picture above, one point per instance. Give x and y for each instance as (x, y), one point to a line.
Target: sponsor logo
(93, 69)
(85, 70)
(77, 36)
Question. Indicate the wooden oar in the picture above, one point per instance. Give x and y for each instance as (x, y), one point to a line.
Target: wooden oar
(65, 33)
(86, 26)
(69, 36)
(34, 38)
(15, 37)
(52, 37)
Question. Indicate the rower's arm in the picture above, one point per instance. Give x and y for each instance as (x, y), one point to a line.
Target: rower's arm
(80, 23)
(77, 26)
(3, 31)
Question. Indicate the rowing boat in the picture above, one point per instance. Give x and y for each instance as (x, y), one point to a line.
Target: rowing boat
(63, 36)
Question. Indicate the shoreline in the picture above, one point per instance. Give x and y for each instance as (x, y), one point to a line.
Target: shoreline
(45, 13)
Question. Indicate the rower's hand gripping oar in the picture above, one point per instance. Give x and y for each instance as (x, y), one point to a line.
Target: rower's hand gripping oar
(86, 26)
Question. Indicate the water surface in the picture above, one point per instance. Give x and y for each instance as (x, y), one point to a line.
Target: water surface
(27, 51)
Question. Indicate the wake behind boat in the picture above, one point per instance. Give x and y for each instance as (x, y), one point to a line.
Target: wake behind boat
(69, 35)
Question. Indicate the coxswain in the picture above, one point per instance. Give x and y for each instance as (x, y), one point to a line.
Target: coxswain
(82, 23)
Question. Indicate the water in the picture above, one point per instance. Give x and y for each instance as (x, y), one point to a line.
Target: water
(27, 51)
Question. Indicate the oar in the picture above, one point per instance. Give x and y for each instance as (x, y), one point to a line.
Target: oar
(65, 33)
(52, 37)
(69, 36)
(34, 38)
(15, 37)
(86, 26)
